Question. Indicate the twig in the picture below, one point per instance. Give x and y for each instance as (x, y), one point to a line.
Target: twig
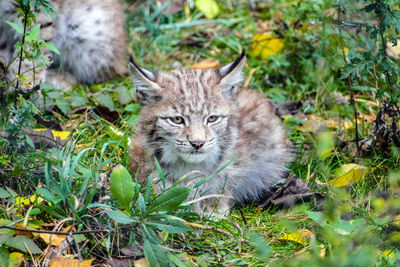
(241, 214)
(53, 232)
(20, 56)
(350, 86)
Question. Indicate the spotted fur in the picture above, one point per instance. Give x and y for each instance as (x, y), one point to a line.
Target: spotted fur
(88, 33)
(246, 131)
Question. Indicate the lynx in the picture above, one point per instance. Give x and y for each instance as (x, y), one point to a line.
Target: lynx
(201, 120)
(89, 35)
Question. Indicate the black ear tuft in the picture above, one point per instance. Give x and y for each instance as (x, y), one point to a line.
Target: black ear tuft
(147, 89)
(149, 75)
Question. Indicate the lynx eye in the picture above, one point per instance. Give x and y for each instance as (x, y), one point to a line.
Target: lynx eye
(177, 120)
(212, 119)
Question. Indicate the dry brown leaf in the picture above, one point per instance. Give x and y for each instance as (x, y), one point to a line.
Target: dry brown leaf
(25, 233)
(68, 262)
(207, 63)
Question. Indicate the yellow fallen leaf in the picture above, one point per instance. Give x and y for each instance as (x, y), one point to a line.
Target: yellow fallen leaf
(348, 173)
(209, 8)
(55, 240)
(207, 63)
(15, 259)
(68, 262)
(61, 134)
(266, 45)
(389, 253)
(315, 123)
(141, 263)
(301, 236)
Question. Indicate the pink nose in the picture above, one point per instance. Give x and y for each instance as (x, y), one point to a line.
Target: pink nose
(197, 144)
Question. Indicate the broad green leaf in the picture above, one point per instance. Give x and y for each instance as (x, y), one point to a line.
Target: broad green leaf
(16, 27)
(5, 237)
(349, 173)
(316, 216)
(141, 205)
(177, 260)
(170, 226)
(122, 186)
(124, 94)
(153, 254)
(4, 255)
(48, 195)
(119, 217)
(344, 227)
(33, 34)
(64, 105)
(325, 144)
(4, 193)
(51, 47)
(21, 242)
(262, 249)
(78, 101)
(105, 100)
(134, 108)
(209, 8)
(170, 199)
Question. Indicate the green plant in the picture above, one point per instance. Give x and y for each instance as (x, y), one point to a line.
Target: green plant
(69, 185)
(148, 213)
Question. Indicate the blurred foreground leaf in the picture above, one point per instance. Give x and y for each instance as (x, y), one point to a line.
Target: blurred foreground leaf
(301, 236)
(349, 173)
(210, 8)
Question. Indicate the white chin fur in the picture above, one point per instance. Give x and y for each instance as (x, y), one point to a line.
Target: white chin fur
(193, 158)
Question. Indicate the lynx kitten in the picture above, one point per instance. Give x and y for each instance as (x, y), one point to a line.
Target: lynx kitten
(200, 120)
(89, 35)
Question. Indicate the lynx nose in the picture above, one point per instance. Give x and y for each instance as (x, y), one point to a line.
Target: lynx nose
(197, 144)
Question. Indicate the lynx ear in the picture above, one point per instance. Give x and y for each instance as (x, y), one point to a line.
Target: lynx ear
(147, 89)
(231, 75)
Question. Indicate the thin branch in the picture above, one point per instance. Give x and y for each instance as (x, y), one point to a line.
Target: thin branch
(53, 232)
(20, 55)
(350, 85)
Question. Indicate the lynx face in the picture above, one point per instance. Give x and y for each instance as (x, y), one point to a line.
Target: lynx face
(187, 114)
(193, 137)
